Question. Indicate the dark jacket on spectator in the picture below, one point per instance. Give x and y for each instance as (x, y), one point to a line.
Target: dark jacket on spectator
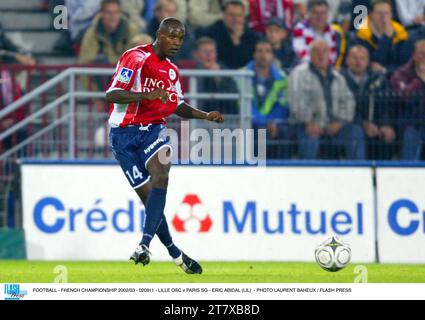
(286, 55)
(411, 90)
(379, 110)
(234, 57)
(418, 34)
(7, 49)
(389, 52)
(415, 36)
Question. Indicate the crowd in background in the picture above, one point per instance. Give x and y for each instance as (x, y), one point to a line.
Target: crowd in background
(331, 79)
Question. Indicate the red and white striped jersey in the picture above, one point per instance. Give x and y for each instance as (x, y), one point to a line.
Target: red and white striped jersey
(261, 11)
(304, 36)
(140, 70)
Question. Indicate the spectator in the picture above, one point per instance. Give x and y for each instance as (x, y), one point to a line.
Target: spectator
(165, 9)
(278, 34)
(385, 39)
(416, 35)
(344, 16)
(366, 3)
(316, 27)
(182, 10)
(409, 82)
(206, 57)
(300, 7)
(262, 11)
(270, 109)
(336, 8)
(322, 107)
(373, 111)
(108, 37)
(10, 53)
(9, 92)
(172, 8)
(81, 14)
(149, 10)
(203, 13)
(235, 41)
(10, 89)
(133, 9)
(333, 9)
(206, 12)
(411, 12)
(332, 5)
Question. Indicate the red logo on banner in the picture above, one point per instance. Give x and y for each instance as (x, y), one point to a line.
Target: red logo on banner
(192, 216)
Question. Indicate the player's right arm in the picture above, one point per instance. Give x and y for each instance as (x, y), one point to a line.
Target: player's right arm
(124, 96)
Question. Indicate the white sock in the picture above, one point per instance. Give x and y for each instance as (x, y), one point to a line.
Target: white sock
(179, 261)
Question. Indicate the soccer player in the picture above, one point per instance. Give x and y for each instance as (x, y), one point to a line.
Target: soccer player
(144, 90)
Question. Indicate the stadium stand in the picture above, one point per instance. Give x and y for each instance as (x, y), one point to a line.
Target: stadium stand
(29, 25)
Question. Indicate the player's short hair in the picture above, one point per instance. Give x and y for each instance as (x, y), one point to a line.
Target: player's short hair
(171, 22)
(376, 2)
(228, 3)
(104, 3)
(204, 40)
(315, 3)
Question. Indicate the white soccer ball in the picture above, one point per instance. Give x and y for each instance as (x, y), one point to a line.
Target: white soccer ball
(333, 254)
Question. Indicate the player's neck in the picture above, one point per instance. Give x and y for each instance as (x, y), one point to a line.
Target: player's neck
(155, 48)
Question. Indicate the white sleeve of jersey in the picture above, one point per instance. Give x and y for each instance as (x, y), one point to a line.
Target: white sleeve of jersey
(180, 95)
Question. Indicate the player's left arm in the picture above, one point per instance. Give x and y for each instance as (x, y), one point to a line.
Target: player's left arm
(184, 110)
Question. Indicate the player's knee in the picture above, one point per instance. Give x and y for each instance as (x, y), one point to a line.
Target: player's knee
(160, 180)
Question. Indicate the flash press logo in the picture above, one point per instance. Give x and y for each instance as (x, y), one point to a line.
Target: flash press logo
(192, 216)
(14, 292)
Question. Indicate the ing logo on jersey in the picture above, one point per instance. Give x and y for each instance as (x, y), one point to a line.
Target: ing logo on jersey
(125, 75)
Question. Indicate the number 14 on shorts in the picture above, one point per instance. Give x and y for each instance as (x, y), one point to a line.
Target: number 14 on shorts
(136, 174)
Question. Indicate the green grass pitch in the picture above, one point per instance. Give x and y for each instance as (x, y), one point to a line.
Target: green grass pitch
(214, 272)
